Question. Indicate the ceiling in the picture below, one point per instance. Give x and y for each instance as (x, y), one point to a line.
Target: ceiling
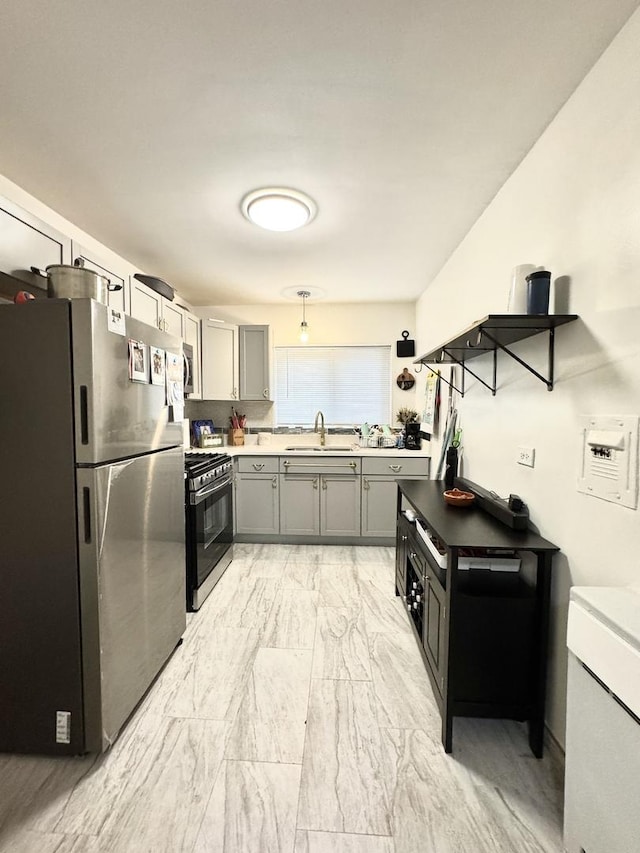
(145, 123)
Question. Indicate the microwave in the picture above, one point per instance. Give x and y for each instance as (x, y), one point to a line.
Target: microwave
(187, 355)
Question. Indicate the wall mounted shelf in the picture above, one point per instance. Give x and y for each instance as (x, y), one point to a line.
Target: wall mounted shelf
(494, 332)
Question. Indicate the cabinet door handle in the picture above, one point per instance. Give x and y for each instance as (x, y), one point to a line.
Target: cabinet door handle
(265, 393)
(258, 466)
(404, 538)
(274, 483)
(365, 483)
(324, 484)
(413, 555)
(315, 483)
(396, 468)
(234, 394)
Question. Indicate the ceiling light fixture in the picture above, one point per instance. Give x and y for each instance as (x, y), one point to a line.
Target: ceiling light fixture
(304, 326)
(278, 209)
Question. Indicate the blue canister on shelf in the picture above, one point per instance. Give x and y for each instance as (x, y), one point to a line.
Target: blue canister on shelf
(538, 283)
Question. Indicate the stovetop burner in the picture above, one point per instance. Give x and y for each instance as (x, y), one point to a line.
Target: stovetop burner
(202, 468)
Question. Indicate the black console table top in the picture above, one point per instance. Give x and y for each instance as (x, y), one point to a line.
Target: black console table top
(466, 527)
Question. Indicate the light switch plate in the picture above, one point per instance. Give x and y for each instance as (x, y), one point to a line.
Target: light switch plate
(609, 458)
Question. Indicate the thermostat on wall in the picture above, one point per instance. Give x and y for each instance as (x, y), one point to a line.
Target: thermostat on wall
(609, 458)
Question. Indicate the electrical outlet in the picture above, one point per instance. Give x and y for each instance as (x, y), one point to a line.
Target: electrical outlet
(526, 456)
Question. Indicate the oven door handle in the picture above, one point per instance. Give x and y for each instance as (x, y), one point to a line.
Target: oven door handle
(196, 498)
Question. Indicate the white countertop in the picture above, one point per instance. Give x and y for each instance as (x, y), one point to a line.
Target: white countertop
(279, 449)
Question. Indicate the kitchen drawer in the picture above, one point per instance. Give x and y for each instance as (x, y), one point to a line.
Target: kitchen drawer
(257, 464)
(298, 464)
(395, 466)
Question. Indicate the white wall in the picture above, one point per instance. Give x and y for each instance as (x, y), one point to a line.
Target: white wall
(329, 324)
(572, 206)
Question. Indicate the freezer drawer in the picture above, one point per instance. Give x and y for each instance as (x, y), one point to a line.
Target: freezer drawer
(132, 582)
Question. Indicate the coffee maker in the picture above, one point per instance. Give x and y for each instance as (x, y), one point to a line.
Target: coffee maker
(412, 437)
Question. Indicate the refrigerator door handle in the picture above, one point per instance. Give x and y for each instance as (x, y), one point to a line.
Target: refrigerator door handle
(84, 415)
(86, 507)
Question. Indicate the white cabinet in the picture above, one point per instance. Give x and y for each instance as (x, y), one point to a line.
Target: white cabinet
(219, 361)
(146, 304)
(257, 496)
(173, 318)
(380, 491)
(26, 242)
(156, 310)
(255, 381)
(117, 275)
(192, 336)
(320, 497)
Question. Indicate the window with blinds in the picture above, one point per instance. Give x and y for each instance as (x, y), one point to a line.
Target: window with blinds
(349, 385)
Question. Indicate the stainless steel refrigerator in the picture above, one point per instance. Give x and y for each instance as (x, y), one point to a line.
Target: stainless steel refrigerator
(92, 557)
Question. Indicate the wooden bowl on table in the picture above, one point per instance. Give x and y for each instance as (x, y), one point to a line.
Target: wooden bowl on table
(456, 497)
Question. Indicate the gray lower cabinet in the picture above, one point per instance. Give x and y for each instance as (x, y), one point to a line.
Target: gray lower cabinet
(380, 491)
(333, 497)
(320, 497)
(257, 496)
(300, 504)
(340, 505)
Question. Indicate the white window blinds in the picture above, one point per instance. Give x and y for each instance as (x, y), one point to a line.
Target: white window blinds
(349, 384)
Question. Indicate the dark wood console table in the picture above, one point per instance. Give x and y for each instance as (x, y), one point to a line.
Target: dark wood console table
(483, 634)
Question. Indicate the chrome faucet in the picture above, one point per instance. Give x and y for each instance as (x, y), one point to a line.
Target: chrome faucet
(322, 430)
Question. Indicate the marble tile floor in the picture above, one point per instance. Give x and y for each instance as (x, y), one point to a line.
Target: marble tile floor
(296, 717)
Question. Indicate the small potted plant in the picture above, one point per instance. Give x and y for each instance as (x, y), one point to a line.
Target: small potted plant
(406, 416)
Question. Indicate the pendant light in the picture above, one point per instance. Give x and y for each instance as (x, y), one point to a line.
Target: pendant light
(304, 326)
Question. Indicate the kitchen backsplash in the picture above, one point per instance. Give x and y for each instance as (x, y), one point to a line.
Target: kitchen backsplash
(259, 416)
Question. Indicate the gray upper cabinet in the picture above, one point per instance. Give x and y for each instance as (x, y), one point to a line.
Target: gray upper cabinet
(117, 298)
(26, 242)
(254, 363)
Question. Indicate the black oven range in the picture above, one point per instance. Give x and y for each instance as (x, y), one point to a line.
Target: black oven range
(209, 522)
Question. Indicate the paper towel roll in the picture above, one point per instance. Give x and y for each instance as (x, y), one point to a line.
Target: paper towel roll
(518, 294)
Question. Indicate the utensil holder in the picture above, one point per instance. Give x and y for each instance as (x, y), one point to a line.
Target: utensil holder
(236, 437)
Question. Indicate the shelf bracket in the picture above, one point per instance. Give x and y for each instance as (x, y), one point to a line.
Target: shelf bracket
(465, 369)
(450, 384)
(547, 381)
